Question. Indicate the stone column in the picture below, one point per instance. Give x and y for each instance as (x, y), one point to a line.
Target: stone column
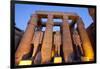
(24, 46)
(47, 41)
(57, 42)
(91, 30)
(36, 42)
(67, 42)
(77, 45)
(87, 47)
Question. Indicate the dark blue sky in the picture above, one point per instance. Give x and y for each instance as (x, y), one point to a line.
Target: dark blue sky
(24, 11)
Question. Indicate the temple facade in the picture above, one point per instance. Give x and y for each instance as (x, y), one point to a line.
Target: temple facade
(70, 44)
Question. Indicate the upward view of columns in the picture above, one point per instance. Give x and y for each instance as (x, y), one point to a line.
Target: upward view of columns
(47, 41)
(25, 44)
(62, 42)
(66, 39)
(87, 47)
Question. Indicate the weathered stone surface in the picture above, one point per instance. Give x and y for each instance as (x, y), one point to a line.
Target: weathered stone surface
(66, 39)
(47, 41)
(57, 42)
(77, 40)
(87, 47)
(24, 46)
(36, 42)
(78, 50)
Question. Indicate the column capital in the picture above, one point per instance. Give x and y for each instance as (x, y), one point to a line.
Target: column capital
(80, 22)
(50, 19)
(65, 18)
(33, 19)
(50, 16)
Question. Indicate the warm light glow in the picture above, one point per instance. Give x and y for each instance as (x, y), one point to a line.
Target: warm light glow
(57, 59)
(53, 53)
(25, 62)
(85, 59)
(89, 54)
